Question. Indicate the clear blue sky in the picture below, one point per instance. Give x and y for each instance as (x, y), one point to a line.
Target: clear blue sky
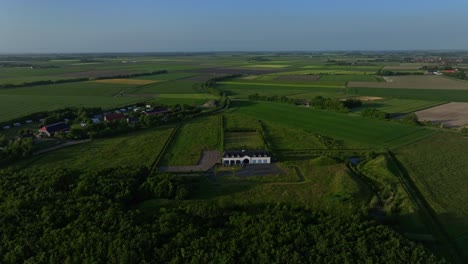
(236, 25)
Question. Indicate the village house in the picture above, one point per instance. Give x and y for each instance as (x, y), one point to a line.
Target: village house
(243, 157)
(51, 130)
(114, 117)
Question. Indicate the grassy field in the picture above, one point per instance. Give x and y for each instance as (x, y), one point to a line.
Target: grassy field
(126, 81)
(348, 78)
(286, 138)
(415, 82)
(242, 140)
(414, 94)
(168, 87)
(352, 130)
(134, 149)
(14, 106)
(399, 106)
(323, 183)
(439, 167)
(191, 139)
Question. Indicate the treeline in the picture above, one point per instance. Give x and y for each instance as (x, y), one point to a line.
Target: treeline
(318, 102)
(210, 85)
(26, 65)
(47, 82)
(382, 72)
(132, 75)
(69, 216)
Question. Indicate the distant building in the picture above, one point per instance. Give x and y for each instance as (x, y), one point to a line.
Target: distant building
(53, 129)
(242, 157)
(114, 117)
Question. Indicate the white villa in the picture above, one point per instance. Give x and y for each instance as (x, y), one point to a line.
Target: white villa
(242, 157)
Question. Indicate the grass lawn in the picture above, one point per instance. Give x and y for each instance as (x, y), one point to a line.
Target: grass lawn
(191, 139)
(134, 149)
(242, 140)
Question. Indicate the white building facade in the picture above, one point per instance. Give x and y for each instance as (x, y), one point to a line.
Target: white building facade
(243, 157)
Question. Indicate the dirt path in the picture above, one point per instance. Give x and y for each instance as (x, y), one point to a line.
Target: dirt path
(66, 144)
(208, 160)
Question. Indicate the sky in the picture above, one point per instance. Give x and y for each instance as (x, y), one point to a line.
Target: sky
(60, 26)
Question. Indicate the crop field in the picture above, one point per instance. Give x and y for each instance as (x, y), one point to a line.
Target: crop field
(326, 72)
(268, 66)
(450, 115)
(349, 77)
(354, 131)
(292, 85)
(126, 81)
(298, 78)
(415, 94)
(399, 106)
(242, 140)
(168, 87)
(13, 106)
(415, 82)
(403, 67)
(438, 167)
(135, 149)
(191, 139)
(286, 138)
(166, 76)
(69, 89)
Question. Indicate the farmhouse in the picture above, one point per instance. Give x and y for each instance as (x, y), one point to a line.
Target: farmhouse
(114, 117)
(51, 130)
(242, 157)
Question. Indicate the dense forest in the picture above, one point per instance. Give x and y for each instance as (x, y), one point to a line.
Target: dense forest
(70, 216)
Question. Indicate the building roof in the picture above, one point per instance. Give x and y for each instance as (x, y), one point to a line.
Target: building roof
(156, 111)
(243, 153)
(115, 116)
(56, 127)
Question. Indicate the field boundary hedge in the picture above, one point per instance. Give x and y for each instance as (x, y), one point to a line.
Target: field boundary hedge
(163, 150)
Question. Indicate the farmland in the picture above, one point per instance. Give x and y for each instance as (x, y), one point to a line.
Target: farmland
(415, 82)
(397, 107)
(354, 131)
(337, 163)
(440, 177)
(140, 148)
(450, 115)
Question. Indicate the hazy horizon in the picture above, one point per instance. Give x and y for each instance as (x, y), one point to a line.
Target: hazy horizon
(52, 26)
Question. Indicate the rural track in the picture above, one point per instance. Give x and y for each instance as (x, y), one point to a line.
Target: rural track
(66, 144)
(429, 215)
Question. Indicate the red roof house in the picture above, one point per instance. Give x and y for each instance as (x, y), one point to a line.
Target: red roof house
(114, 117)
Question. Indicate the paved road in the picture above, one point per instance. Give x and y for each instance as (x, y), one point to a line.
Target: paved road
(208, 160)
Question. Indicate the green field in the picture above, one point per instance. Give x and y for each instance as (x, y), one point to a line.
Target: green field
(136, 149)
(415, 94)
(242, 140)
(354, 131)
(399, 106)
(340, 191)
(191, 139)
(439, 167)
(14, 106)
